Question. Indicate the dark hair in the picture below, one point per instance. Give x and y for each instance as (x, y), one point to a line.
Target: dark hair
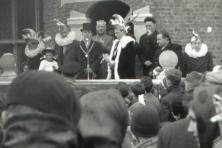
(147, 82)
(138, 89)
(165, 34)
(150, 19)
(123, 88)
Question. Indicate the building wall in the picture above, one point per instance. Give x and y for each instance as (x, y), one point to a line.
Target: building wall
(178, 17)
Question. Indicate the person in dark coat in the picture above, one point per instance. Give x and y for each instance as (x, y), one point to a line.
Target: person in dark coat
(164, 43)
(121, 62)
(104, 119)
(175, 135)
(33, 49)
(87, 53)
(171, 107)
(145, 125)
(204, 114)
(63, 39)
(42, 111)
(148, 45)
(196, 57)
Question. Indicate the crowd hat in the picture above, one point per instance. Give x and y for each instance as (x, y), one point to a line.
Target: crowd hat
(46, 92)
(145, 121)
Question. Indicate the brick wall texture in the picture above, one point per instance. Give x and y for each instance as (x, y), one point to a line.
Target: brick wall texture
(178, 17)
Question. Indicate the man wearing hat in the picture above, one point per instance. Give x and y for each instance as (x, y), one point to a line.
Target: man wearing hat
(106, 41)
(87, 53)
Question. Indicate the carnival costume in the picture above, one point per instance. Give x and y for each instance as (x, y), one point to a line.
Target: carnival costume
(34, 47)
(122, 55)
(196, 60)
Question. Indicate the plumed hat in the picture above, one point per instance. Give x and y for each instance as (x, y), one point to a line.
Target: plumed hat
(195, 37)
(29, 34)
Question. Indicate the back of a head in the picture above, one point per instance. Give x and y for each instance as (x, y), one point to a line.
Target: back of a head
(46, 92)
(104, 118)
(145, 121)
(147, 82)
(123, 88)
(174, 75)
(138, 88)
(43, 110)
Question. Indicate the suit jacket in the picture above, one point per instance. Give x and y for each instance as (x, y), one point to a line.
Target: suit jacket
(80, 54)
(147, 49)
(174, 47)
(124, 61)
(175, 135)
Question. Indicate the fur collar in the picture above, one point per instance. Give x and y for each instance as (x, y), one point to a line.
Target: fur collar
(125, 40)
(196, 54)
(66, 40)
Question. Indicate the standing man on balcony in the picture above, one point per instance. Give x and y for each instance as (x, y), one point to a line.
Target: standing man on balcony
(148, 45)
(106, 41)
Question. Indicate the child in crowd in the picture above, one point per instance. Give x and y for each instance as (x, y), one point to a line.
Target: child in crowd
(48, 63)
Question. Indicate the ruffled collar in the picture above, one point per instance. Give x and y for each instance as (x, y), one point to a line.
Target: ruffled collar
(66, 40)
(196, 54)
(34, 52)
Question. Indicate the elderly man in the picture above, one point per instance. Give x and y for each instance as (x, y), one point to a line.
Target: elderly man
(106, 41)
(101, 35)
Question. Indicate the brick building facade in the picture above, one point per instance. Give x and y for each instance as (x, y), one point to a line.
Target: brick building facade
(178, 17)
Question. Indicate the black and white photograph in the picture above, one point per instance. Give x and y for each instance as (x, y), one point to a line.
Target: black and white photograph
(111, 74)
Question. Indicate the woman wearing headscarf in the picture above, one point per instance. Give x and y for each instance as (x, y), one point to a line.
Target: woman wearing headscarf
(42, 111)
(104, 119)
(196, 57)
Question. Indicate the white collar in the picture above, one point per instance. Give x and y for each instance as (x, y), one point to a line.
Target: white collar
(196, 54)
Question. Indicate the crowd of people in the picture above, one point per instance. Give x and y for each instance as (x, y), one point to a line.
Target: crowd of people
(174, 113)
(177, 106)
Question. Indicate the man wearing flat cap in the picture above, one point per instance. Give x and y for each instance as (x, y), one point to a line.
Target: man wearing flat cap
(106, 41)
(87, 53)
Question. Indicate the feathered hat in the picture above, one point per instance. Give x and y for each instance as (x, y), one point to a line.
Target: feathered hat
(117, 20)
(30, 34)
(195, 37)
